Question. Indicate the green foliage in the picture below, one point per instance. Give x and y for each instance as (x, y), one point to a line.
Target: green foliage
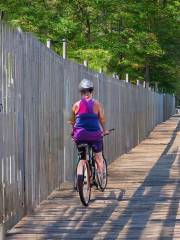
(97, 58)
(138, 37)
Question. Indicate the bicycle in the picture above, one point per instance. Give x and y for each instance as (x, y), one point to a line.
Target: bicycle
(90, 176)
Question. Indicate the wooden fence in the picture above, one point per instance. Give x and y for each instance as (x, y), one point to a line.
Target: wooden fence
(37, 89)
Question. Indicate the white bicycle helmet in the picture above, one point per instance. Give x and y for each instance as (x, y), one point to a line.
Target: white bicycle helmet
(86, 84)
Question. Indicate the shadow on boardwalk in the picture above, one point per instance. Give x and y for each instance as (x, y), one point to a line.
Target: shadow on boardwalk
(139, 199)
(137, 204)
(89, 223)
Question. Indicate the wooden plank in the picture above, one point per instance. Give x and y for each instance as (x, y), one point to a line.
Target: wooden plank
(140, 202)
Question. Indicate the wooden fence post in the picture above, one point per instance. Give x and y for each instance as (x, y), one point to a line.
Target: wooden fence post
(48, 44)
(2, 231)
(147, 85)
(1, 107)
(64, 48)
(2, 225)
(85, 63)
(127, 77)
(156, 86)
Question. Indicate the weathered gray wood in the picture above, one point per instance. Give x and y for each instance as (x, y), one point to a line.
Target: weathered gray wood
(37, 89)
(141, 200)
(2, 231)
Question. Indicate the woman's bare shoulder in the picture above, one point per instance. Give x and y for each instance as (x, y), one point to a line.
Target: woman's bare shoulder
(97, 103)
(76, 105)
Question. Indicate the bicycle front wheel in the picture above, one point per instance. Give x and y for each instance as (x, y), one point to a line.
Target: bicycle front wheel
(102, 176)
(84, 187)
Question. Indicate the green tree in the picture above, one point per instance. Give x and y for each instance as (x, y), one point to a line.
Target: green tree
(138, 37)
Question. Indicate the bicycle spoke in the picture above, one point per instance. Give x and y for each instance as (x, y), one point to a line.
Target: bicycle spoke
(84, 186)
(102, 176)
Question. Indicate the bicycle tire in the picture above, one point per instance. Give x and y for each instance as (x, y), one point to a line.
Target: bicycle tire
(102, 178)
(84, 187)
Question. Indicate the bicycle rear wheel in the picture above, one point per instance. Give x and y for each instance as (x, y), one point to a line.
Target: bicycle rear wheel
(102, 177)
(83, 185)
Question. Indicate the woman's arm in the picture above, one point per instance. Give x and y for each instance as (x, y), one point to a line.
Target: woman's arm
(101, 115)
(102, 118)
(72, 117)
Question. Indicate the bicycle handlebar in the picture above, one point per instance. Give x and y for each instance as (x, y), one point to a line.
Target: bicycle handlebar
(110, 130)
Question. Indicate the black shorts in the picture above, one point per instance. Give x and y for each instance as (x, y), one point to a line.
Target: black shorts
(97, 147)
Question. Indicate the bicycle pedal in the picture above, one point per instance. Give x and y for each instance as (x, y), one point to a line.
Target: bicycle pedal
(76, 189)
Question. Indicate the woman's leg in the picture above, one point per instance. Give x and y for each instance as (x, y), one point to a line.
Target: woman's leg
(97, 148)
(99, 161)
(80, 167)
(82, 161)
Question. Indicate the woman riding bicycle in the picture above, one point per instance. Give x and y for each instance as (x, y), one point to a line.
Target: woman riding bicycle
(88, 123)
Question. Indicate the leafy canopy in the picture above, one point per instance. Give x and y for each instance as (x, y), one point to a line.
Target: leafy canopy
(138, 37)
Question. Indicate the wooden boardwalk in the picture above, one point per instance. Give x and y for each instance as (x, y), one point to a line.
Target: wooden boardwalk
(141, 201)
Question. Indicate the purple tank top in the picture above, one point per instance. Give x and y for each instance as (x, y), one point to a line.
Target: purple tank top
(87, 125)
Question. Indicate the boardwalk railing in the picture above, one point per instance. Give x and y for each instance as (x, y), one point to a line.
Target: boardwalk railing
(37, 89)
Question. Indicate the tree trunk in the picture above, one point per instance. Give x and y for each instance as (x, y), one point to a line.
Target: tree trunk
(1, 15)
(88, 26)
(147, 71)
(162, 2)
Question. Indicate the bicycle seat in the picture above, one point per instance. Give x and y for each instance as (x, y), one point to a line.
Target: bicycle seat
(83, 145)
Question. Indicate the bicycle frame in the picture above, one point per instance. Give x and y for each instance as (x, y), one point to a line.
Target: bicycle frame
(90, 159)
(88, 174)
